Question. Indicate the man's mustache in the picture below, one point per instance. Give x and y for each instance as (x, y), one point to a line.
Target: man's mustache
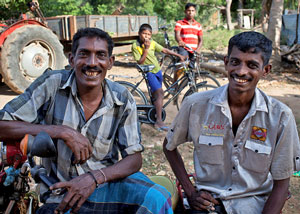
(91, 69)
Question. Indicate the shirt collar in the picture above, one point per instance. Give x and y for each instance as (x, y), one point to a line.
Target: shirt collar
(71, 83)
(185, 20)
(258, 103)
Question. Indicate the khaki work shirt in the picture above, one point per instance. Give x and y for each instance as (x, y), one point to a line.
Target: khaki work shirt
(239, 169)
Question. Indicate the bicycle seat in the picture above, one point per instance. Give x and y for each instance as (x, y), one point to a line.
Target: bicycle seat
(164, 27)
(145, 68)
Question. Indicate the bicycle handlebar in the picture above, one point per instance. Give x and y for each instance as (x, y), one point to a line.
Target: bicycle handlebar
(192, 50)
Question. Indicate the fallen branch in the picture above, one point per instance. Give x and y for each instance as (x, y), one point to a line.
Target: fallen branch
(213, 68)
(292, 79)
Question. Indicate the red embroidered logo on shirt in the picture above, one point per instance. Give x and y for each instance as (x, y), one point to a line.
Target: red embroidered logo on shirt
(215, 126)
(259, 133)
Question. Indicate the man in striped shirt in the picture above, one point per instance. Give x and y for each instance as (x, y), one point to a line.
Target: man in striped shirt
(188, 31)
(93, 120)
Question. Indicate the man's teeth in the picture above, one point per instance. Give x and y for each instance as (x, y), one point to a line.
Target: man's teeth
(90, 73)
(240, 80)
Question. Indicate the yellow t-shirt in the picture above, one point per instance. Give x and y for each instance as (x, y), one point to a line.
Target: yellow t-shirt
(138, 50)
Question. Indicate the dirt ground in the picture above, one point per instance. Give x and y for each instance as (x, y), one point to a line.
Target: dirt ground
(154, 162)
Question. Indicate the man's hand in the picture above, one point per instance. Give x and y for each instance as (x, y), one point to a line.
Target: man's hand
(181, 43)
(147, 43)
(79, 189)
(202, 200)
(182, 58)
(79, 144)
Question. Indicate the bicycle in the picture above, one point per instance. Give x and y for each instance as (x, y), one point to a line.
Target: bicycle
(203, 75)
(167, 59)
(145, 107)
(168, 62)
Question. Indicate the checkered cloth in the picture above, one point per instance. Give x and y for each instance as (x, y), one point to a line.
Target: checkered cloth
(134, 194)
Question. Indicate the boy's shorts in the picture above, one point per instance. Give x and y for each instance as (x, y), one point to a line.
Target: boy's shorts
(155, 80)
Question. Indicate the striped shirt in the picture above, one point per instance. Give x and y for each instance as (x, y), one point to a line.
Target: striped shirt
(189, 33)
(53, 100)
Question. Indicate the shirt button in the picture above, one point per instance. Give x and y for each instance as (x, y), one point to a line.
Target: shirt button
(233, 168)
(229, 189)
(235, 145)
(297, 158)
(209, 144)
(256, 150)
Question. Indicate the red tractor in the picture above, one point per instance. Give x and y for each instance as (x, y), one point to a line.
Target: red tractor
(27, 48)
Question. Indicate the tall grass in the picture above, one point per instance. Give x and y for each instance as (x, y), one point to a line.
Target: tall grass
(217, 39)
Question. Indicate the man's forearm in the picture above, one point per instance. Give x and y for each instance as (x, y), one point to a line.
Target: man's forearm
(200, 41)
(125, 167)
(179, 170)
(16, 130)
(277, 198)
(178, 38)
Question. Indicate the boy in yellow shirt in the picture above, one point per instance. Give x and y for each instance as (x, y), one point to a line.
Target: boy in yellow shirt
(144, 53)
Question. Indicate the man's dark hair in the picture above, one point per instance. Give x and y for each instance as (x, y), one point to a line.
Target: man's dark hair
(92, 32)
(249, 40)
(145, 27)
(188, 5)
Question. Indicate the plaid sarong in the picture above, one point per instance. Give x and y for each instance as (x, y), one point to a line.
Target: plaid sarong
(134, 194)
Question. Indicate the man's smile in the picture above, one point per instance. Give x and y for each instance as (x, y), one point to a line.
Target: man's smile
(91, 72)
(241, 80)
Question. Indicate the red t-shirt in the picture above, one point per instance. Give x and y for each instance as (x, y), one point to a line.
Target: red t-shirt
(189, 32)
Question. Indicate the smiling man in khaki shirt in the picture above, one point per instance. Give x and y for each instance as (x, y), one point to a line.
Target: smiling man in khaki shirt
(246, 144)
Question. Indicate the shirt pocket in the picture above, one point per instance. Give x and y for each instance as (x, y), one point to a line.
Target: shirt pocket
(102, 146)
(210, 149)
(257, 157)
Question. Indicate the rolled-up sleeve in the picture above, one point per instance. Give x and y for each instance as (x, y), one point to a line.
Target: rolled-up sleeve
(286, 157)
(178, 132)
(129, 135)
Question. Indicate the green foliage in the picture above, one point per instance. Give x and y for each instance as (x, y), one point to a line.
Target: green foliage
(217, 39)
(12, 8)
(159, 38)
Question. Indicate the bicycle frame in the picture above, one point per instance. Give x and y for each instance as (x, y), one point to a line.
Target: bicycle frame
(186, 79)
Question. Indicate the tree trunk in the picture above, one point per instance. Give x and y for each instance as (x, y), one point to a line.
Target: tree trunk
(274, 28)
(228, 15)
(265, 13)
(240, 14)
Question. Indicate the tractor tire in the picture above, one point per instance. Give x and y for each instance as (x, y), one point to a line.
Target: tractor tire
(27, 52)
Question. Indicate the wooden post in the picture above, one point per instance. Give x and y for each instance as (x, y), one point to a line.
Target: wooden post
(297, 23)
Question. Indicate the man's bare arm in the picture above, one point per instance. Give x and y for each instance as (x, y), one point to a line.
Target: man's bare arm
(197, 200)
(200, 42)
(178, 39)
(278, 197)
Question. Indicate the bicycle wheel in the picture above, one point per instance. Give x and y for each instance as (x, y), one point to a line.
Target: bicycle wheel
(168, 76)
(206, 76)
(167, 60)
(139, 96)
(199, 88)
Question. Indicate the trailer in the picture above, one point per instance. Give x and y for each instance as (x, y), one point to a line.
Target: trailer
(122, 28)
(30, 46)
